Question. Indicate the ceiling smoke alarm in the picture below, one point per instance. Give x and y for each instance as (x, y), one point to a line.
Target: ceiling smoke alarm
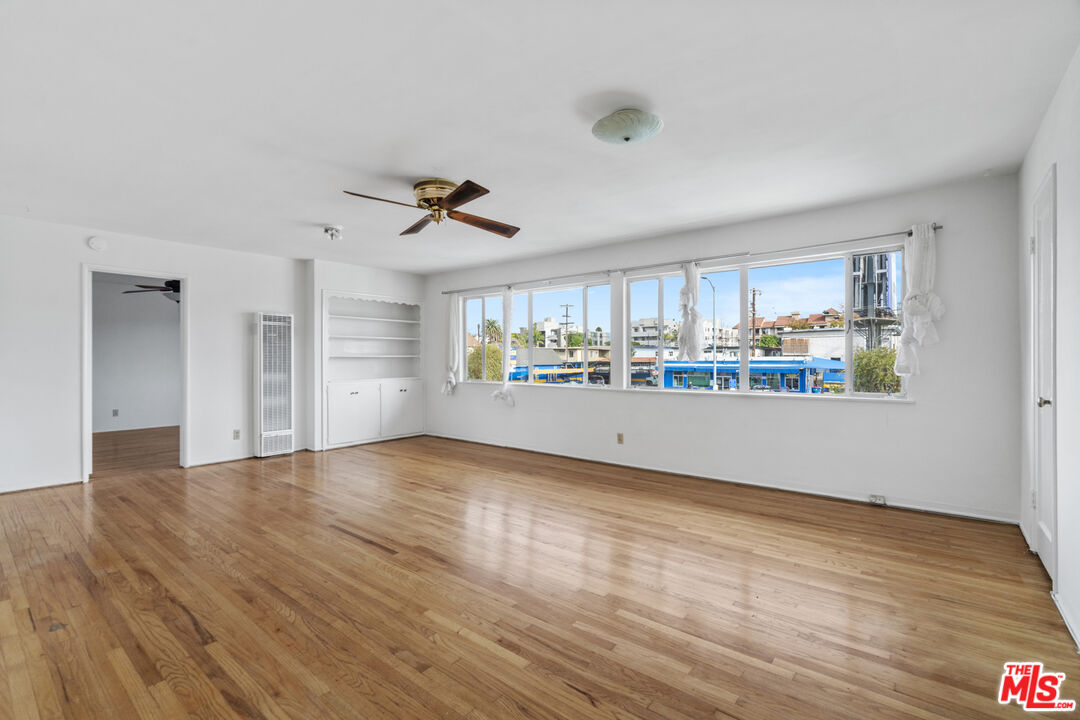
(626, 126)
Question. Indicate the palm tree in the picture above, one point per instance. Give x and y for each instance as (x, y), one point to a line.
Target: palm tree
(492, 330)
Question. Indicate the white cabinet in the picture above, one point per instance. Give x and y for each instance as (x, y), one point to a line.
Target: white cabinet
(402, 405)
(352, 412)
(368, 410)
(371, 368)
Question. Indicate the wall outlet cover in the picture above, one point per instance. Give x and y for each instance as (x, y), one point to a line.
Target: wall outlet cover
(235, 434)
(115, 413)
(619, 438)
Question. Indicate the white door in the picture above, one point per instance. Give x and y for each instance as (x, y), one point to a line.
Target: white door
(402, 407)
(352, 412)
(1044, 277)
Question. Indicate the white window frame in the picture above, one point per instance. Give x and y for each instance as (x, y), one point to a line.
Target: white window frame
(483, 337)
(584, 285)
(743, 266)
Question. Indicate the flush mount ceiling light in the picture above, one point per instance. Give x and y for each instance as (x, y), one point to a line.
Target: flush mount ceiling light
(626, 126)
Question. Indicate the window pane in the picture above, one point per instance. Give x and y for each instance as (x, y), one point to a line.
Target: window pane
(492, 337)
(644, 335)
(876, 321)
(473, 347)
(558, 328)
(701, 373)
(599, 319)
(519, 354)
(797, 330)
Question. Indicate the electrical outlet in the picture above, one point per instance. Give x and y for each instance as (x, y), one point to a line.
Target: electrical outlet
(236, 434)
(877, 499)
(618, 438)
(115, 413)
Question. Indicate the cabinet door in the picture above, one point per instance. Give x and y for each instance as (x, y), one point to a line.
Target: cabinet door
(352, 412)
(402, 407)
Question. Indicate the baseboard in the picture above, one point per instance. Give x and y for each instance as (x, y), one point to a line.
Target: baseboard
(1073, 624)
(41, 486)
(903, 503)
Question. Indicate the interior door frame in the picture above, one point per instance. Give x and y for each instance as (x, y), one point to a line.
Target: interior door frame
(87, 425)
(1048, 185)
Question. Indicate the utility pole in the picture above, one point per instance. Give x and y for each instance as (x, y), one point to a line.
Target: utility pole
(754, 292)
(566, 324)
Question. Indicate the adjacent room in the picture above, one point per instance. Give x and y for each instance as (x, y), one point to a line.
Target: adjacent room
(565, 360)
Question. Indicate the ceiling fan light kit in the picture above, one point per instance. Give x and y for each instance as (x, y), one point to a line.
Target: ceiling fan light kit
(439, 198)
(626, 126)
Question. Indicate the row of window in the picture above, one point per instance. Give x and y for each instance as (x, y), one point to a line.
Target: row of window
(815, 327)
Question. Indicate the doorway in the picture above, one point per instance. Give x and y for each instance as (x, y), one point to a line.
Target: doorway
(133, 372)
(1044, 306)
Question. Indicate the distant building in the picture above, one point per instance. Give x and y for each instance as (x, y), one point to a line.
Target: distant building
(873, 277)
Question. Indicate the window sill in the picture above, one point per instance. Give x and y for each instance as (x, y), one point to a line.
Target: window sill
(821, 397)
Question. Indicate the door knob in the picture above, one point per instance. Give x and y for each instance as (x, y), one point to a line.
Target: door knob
(1043, 402)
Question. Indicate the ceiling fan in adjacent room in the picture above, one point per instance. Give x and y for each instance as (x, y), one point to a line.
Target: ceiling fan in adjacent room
(439, 198)
(172, 287)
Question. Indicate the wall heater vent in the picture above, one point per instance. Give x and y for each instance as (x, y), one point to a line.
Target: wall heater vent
(273, 384)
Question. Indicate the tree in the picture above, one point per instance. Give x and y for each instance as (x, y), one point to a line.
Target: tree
(522, 338)
(800, 324)
(873, 371)
(599, 329)
(768, 341)
(575, 339)
(492, 330)
(494, 363)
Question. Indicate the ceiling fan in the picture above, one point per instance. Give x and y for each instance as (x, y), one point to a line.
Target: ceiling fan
(171, 286)
(439, 198)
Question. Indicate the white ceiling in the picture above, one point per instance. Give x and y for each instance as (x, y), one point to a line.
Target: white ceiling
(238, 124)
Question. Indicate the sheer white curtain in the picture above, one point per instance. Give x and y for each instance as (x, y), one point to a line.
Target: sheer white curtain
(453, 345)
(921, 305)
(692, 331)
(504, 393)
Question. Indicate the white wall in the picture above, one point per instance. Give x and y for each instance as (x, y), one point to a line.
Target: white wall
(40, 434)
(136, 357)
(1058, 141)
(40, 354)
(954, 449)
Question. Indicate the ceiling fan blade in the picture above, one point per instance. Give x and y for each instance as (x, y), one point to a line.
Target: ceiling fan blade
(142, 291)
(153, 287)
(463, 193)
(507, 231)
(395, 202)
(417, 226)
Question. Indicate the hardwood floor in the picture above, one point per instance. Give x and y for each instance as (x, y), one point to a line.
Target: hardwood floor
(125, 451)
(431, 578)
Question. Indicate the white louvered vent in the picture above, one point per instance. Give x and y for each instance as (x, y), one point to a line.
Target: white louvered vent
(273, 384)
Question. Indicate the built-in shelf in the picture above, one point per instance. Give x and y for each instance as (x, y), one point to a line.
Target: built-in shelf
(373, 337)
(376, 319)
(369, 355)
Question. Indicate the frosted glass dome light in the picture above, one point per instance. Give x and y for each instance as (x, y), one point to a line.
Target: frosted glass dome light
(626, 126)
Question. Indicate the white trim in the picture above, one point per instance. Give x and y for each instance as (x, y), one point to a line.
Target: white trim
(87, 360)
(836, 494)
(800, 396)
(1072, 625)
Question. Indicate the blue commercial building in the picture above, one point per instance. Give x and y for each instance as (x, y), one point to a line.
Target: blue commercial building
(778, 374)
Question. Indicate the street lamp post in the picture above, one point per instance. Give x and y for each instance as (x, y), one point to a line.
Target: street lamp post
(706, 279)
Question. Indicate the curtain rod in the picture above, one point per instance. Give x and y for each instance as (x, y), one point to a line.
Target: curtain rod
(746, 253)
